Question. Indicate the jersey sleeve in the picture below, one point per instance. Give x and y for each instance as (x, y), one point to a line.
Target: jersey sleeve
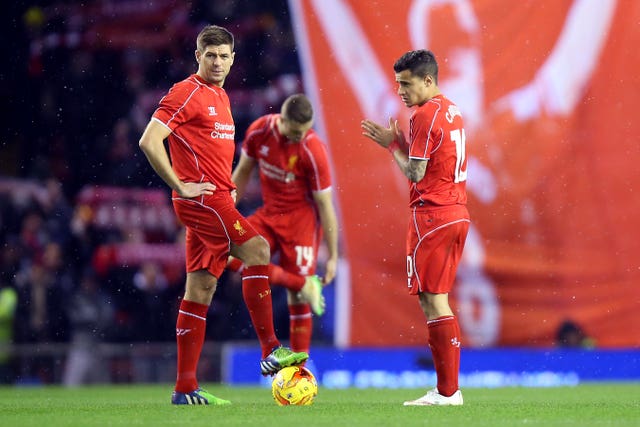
(317, 163)
(423, 132)
(249, 145)
(172, 110)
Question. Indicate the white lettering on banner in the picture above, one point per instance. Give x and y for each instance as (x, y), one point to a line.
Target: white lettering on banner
(340, 379)
(148, 217)
(135, 253)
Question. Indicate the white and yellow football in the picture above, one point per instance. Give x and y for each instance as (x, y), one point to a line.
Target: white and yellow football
(294, 385)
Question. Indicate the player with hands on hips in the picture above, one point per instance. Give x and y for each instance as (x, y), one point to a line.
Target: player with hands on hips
(195, 117)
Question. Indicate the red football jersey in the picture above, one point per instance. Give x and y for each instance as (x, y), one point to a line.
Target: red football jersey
(201, 142)
(289, 171)
(437, 135)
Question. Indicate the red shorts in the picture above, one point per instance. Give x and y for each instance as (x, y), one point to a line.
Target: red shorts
(212, 223)
(435, 241)
(295, 235)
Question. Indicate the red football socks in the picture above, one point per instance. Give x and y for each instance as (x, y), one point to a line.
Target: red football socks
(444, 340)
(257, 296)
(300, 327)
(278, 276)
(235, 265)
(190, 330)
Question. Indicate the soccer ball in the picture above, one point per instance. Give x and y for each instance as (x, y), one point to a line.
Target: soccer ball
(294, 385)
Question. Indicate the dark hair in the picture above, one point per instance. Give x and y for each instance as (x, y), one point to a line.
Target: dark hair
(297, 108)
(420, 62)
(214, 35)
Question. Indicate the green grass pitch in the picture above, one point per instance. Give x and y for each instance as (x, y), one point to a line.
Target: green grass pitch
(616, 405)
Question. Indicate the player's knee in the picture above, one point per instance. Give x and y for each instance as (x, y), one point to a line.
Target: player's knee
(200, 286)
(434, 305)
(209, 287)
(263, 252)
(259, 252)
(294, 298)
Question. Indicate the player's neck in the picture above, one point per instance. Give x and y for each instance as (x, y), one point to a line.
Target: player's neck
(279, 129)
(204, 79)
(432, 94)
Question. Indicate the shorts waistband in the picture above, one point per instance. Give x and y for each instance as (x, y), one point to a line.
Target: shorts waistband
(424, 207)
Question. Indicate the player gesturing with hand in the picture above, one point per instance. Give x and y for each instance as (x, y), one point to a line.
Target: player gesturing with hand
(435, 164)
(384, 136)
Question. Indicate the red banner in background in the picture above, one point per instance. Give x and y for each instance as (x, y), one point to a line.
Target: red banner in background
(549, 93)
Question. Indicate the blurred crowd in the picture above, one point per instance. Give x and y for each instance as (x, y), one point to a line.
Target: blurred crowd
(90, 251)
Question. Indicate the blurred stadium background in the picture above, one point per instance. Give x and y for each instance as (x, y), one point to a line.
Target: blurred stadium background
(91, 261)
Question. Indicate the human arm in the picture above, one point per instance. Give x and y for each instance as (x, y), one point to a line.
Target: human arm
(329, 221)
(152, 144)
(392, 138)
(242, 173)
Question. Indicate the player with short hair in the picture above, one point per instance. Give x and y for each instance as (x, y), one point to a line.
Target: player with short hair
(195, 117)
(297, 208)
(435, 164)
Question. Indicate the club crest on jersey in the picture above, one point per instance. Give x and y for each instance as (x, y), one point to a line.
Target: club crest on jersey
(238, 227)
(292, 161)
(264, 150)
(212, 111)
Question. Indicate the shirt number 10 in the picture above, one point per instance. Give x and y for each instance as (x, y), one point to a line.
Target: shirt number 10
(458, 137)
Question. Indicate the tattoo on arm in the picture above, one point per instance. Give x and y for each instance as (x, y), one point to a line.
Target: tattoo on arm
(416, 169)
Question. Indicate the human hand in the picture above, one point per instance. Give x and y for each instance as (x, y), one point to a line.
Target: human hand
(378, 133)
(330, 271)
(399, 134)
(189, 190)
